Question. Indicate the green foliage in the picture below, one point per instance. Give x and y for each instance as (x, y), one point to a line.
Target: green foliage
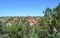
(45, 29)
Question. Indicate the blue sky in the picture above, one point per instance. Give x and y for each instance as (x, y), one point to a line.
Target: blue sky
(25, 7)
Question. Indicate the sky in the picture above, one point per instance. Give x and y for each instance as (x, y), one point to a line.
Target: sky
(25, 7)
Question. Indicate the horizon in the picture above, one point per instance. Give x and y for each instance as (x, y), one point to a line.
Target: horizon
(25, 7)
